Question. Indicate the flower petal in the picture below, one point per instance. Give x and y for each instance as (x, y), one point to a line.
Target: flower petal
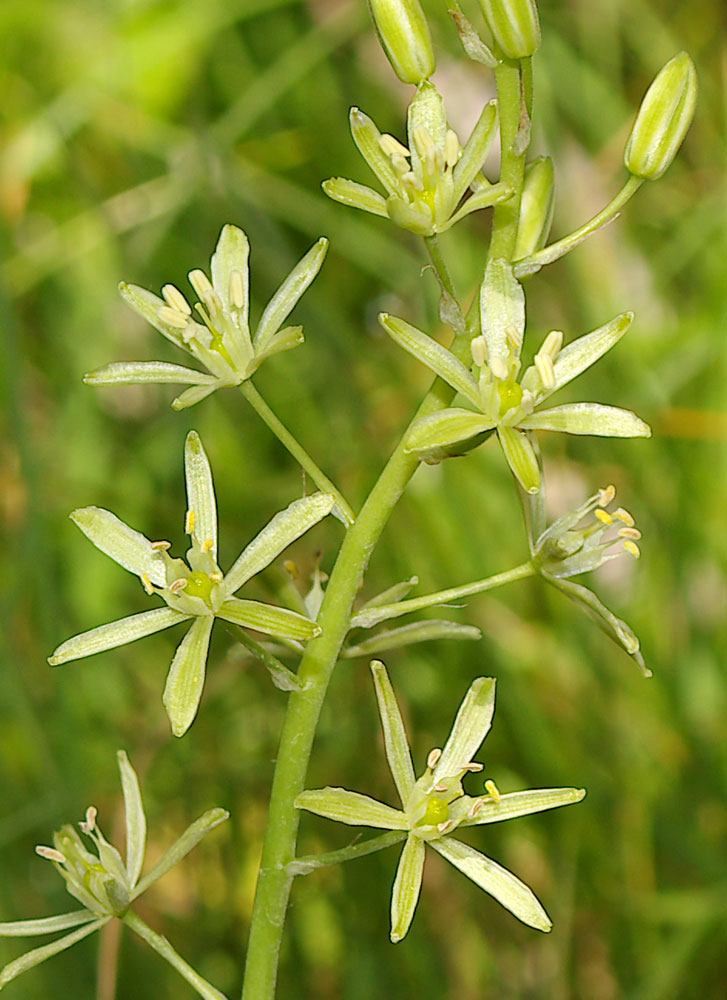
(181, 847)
(185, 680)
(588, 418)
(135, 819)
(285, 299)
(117, 633)
(502, 313)
(407, 635)
(471, 725)
(200, 492)
(437, 358)
(368, 140)
(352, 808)
(46, 925)
(147, 304)
(446, 428)
(127, 547)
(407, 887)
(32, 958)
(475, 150)
(514, 895)
(514, 804)
(396, 744)
(140, 372)
(196, 394)
(276, 536)
(232, 253)
(355, 195)
(266, 618)
(520, 457)
(585, 351)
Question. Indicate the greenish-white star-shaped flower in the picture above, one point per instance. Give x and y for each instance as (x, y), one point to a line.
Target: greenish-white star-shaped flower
(502, 400)
(435, 805)
(433, 182)
(222, 343)
(194, 589)
(106, 885)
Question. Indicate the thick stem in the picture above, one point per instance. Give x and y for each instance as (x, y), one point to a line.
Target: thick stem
(298, 452)
(316, 667)
(370, 617)
(514, 138)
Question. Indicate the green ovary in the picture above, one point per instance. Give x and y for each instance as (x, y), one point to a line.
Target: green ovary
(511, 395)
(437, 812)
(199, 585)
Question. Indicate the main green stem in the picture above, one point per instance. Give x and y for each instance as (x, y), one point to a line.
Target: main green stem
(320, 657)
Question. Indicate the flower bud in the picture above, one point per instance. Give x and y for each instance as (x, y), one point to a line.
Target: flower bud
(664, 116)
(536, 207)
(404, 34)
(514, 25)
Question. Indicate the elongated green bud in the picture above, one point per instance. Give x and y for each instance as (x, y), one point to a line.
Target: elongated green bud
(665, 115)
(404, 34)
(514, 25)
(536, 207)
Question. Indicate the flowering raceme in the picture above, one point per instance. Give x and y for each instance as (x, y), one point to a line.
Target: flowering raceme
(195, 589)
(435, 805)
(222, 343)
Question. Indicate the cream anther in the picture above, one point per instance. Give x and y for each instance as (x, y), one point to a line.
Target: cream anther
(236, 289)
(498, 367)
(632, 549)
(606, 495)
(473, 766)
(633, 533)
(623, 515)
(476, 807)
(423, 140)
(514, 335)
(411, 180)
(433, 758)
(479, 351)
(447, 826)
(200, 282)
(146, 583)
(178, 585)
(452, 148)
(189, 522)
(175, 300)
(50, 854)
(216, 577)
(544, 366)
(440, 787)
(552, 344)
(161, 546)
(89, 823)
(172, 317)
(392, 147)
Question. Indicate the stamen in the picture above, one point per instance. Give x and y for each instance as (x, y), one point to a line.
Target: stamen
(630, 533)
(473, 766)
(603, 516)
(89, 823)
(498, 367)
(623, 515)
(216, 577)
(476, 807)
(479, 351)
(172, 317)
(50, 854)
(441, 787)
(237, 289)
(452, 148)
(632, 549)
(544, 365)
(423, 141)
(175, 300)
(161, 546)
(147, 584)
(213, 301)
(208, 545)
(189, 522)
(492, 790)
(400, 164)
(411, 180)
(552, 344)
(606, 495)
(433, 758)
(178, 585)
(447, 826)
(200, 282)
(290, 568)
(392, 147)
(514, 335)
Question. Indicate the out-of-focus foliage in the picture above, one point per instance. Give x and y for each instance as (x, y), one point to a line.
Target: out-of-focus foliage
(131, 131)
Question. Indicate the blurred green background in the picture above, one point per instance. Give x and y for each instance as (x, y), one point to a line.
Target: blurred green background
(131, 131)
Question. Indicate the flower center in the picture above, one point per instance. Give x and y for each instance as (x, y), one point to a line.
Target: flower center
(511, 395)
(199, 585)
(437, 812)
